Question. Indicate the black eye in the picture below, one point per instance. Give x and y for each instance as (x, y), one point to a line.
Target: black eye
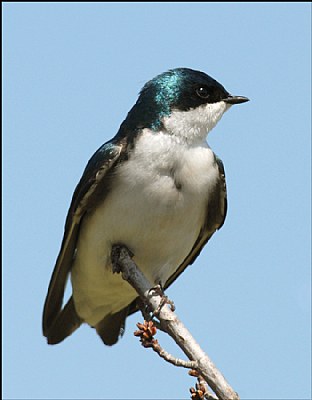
(202, 92)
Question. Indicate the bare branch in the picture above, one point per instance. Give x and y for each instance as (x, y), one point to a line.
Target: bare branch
(122, 262)
(173, 360)
(147, 332)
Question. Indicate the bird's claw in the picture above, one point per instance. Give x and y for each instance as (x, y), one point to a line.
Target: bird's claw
(158, 290)
(116, 254)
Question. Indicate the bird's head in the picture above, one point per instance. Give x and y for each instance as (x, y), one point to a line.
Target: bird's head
(183, 102)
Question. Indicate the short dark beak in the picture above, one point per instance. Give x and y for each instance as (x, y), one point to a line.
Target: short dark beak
(235, 99)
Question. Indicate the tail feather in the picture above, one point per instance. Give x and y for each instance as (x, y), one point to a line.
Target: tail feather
(112, 327)
(65, 323)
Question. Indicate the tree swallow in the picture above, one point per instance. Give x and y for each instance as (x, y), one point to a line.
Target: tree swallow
(157, 188)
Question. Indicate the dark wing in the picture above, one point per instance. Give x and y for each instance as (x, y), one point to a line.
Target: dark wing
(215, 218)
(94, 180)
(216, 213)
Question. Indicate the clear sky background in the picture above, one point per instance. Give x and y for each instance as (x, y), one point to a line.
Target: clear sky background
(71, 72)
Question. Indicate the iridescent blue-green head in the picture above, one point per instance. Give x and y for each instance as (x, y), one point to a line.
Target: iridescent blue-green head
(178, 90)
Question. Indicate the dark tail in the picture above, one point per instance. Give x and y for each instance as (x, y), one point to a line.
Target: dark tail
(65, 323)
(112, 326)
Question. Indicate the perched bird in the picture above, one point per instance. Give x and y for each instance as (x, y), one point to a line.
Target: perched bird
(157, 188)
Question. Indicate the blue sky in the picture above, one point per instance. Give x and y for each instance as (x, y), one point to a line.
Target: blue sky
(71, 72)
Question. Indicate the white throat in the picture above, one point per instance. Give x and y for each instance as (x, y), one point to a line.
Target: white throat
(193, 125)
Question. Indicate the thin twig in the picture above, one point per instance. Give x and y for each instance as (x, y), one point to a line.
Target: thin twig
(122, 262)
(146, 332)
(173, 360)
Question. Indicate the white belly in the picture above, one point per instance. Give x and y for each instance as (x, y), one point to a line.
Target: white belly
(156, 208)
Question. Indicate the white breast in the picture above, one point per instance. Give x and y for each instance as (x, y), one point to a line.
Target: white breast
(156, 207)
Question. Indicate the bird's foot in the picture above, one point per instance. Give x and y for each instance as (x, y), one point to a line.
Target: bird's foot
(158, 290)
(119, 251)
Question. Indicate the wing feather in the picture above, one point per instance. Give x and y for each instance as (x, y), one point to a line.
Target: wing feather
(215, 217)
(93, 179)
